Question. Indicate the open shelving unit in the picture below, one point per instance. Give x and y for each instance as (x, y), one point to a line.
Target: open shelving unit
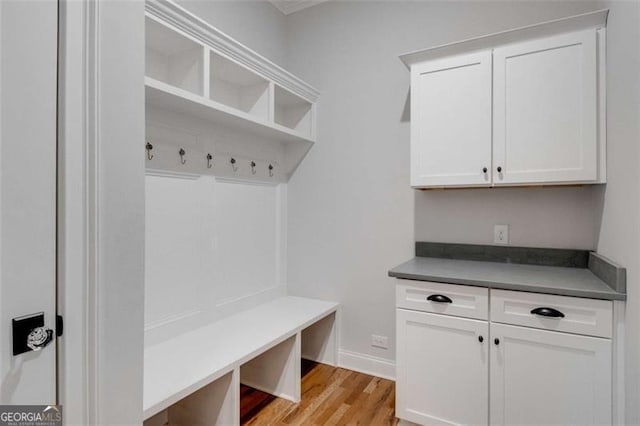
(235, 101)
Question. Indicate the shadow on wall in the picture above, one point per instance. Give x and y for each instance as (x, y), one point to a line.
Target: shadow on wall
(555, 217)
(406, 112)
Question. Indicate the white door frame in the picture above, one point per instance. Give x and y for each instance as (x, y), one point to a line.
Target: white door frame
(101, 211)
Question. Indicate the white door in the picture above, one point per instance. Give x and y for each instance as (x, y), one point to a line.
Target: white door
(28, 74)
(442, 369)
(451, 121)
(545, 110)
(541, 377)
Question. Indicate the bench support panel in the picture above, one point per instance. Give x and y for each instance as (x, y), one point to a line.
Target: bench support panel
(276, 371)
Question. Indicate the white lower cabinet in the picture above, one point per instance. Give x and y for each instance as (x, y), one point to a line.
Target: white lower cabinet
(544, 377)
(442, 367)
(462, 371)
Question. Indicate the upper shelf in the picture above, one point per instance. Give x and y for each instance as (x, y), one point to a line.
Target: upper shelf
(179, 100)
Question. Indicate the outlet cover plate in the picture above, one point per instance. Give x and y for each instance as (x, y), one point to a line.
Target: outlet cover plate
(380, 341)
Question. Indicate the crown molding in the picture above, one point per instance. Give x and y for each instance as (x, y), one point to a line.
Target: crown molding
(290, 6)
(185, 21)
(596, 19)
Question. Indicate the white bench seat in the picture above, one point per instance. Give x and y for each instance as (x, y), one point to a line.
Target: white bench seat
(176, 368)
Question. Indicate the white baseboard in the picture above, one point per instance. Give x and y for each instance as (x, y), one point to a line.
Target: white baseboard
(367, 364)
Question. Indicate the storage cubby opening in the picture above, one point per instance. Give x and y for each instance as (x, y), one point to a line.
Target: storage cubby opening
(215, 404)
(233, 85)
(173, 58)
(292, 111)
(275, 371)
(318, 341)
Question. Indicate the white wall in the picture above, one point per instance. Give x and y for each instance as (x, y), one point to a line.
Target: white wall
(256, 24)
(351, 211)
(619, 236)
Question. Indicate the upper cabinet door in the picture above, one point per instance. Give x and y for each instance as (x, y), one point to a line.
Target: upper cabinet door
(545, 111)
(451, 121)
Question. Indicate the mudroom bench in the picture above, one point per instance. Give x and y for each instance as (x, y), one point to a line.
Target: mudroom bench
(195, 378)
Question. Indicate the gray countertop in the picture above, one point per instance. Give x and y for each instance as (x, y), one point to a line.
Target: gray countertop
(579, 282)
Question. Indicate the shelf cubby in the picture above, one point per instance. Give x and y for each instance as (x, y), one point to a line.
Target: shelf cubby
(292, 111)
(237, 87)
(173, 58)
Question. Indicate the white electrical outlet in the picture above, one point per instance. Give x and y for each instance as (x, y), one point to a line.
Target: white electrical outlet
(380, 341)
(501, 234)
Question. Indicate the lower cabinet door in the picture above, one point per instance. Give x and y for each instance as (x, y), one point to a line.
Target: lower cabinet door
(442, 369)
(541, 377)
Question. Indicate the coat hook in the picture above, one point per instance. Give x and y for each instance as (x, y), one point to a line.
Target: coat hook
(233, 164)
(270, 170)
(253, 167)
(149, 147)
(209, 158)
(182, 153)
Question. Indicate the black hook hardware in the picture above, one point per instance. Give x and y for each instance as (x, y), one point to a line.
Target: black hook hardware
(182, 154)
(233, 164)
(270, 170)
(253, 167)
(209, 158)
(149, 147)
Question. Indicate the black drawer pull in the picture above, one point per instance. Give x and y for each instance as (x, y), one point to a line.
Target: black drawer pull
(547, 312)
(439, 298)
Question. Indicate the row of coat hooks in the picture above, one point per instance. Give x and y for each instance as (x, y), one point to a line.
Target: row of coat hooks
(234, 163)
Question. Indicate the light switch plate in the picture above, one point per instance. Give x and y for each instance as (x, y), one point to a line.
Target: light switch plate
(501, 234)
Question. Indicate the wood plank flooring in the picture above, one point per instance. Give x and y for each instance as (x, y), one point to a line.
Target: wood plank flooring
(330, 396)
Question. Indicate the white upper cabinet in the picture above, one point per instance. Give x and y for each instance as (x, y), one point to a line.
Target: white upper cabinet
(525, 105)
(451, 102)
(545, 110)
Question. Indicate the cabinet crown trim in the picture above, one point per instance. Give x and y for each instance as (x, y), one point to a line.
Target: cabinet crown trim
(596, 19)
(182, 19)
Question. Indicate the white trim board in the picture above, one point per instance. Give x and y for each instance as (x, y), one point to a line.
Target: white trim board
(367, 364)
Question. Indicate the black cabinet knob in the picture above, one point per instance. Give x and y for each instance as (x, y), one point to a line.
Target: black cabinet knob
(496, 341)
(484, 170)
(499, 169)
(480, 339)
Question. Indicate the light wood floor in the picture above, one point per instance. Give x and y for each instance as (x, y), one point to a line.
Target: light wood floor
(330, 396)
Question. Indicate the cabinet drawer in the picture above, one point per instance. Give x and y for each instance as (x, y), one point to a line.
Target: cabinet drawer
(450, 299)
(558, 313)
